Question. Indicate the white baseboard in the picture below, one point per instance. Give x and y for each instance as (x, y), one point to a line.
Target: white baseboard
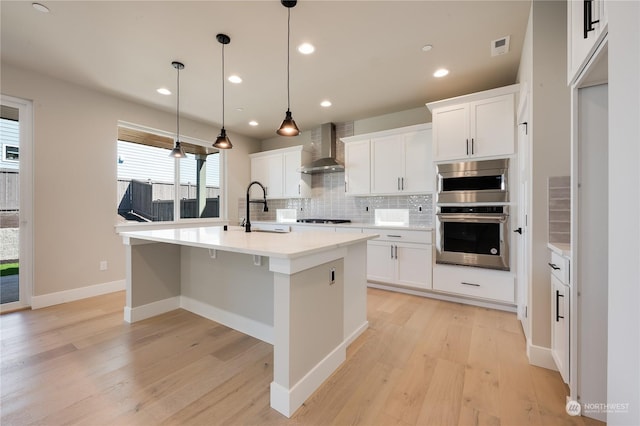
(59, 297)
(244, 325)
(358, 331)
(149, 310)
(445, 297)
(540, 356)
(287, 401)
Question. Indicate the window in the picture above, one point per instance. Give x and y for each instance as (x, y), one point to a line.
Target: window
(153, 187)
(10, 153)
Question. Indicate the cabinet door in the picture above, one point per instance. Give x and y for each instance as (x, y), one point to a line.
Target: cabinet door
(581, 48)
(296, 184)
(560, 327)
(492, 126)
(419, 173)
(387, 164)
(380, 261)
(450, 132)
(357, 162)
(268, 171)
(413, 265)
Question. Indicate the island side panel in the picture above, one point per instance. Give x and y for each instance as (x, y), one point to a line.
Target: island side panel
(230, 289)
(355, 291)
(309, 329)
(153, 279)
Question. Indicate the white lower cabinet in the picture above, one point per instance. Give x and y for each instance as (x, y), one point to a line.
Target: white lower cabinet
(560, 313)
(400, 257)
(475, 282)
(560, 326)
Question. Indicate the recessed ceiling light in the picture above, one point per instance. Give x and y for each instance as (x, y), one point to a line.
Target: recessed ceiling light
(427, 47)
(235, 79)
(253, 123)
(239, 109)
(40, 7)
(306, 48)
(441, 72)
(325, 103)
(164, 91)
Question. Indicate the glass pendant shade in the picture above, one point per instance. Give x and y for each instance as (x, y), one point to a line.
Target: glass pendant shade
(178, 152)
(288, 126)
(222, 142)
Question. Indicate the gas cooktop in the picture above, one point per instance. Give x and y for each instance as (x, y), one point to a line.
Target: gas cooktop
(323, 220)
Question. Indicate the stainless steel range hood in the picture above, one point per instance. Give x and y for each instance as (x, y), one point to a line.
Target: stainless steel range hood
(327, 162)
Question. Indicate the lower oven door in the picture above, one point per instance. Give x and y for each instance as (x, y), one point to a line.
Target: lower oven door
(480, 240)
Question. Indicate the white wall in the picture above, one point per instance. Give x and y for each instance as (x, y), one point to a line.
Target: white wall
(75, 132)
(623, 372)
(543, 67)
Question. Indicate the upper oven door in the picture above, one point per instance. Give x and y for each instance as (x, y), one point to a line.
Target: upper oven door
(473, 181)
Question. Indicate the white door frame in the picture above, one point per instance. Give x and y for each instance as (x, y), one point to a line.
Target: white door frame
(523, 212)
(25, 108)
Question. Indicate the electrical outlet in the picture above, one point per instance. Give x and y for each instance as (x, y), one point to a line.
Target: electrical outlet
(419, 208)
(103, 265)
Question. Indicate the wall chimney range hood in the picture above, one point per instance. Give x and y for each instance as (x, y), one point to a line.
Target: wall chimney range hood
(327, 162)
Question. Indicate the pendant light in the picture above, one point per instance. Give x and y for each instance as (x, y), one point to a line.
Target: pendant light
(223, 142)
(288, 126)
(177, 151)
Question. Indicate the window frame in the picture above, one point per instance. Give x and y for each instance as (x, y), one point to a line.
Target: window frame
(4, 153)
(178, 221)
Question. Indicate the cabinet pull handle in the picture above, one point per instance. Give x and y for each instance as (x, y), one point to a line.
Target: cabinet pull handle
(471, 284)
(587, 13)
(392, 251)
(298, 189)
(402, 179)
(398, 184)
(472, 147)
(394, 236)
(345, 186)
(333, 276)
(467, 141)
(396, 250)
(558, 296)
(554, 266)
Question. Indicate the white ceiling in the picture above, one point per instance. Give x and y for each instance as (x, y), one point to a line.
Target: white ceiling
(368, 59)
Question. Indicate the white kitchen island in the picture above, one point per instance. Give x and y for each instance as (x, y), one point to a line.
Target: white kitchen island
(304, 293)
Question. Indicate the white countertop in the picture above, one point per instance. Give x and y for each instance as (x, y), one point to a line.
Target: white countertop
(280, 245)
(563, 249)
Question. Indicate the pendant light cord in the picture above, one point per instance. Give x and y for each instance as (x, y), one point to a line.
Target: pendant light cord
(288, 54)
(223, 85)
(178, 107)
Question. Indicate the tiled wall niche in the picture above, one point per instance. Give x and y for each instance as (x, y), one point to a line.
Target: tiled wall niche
(329, 201)
(560, 209)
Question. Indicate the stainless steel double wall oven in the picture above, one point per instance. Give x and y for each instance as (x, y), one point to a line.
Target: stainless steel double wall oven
(472, 218)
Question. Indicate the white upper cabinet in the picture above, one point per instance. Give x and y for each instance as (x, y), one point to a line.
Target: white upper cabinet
(278, 171)
(390, 162)
(402, 163)
(357, 167)
(477, 125)
(586, 28)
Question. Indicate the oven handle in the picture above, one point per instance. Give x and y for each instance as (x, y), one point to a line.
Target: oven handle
(449, 217)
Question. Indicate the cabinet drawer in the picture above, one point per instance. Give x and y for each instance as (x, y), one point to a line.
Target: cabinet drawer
(406, 236)
(475, 282)
(560, 267)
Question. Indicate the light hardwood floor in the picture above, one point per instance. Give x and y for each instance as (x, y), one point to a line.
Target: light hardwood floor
(421, 362)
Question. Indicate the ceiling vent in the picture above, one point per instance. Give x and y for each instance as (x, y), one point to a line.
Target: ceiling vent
(500, 46)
